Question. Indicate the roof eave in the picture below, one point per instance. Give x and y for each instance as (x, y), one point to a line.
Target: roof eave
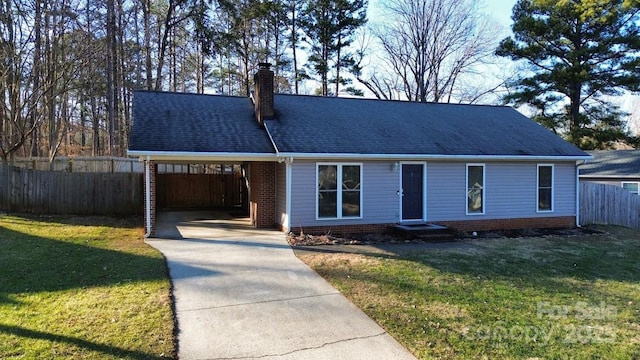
(338, 156)
(201, 156)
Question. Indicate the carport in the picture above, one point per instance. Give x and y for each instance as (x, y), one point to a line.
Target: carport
(249, 194)
(180, 128)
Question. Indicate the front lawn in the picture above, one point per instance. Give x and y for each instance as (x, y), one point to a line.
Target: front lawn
(547, 297)
(82, 288)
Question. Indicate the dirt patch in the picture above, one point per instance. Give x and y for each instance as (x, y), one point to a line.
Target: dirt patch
(349, 239)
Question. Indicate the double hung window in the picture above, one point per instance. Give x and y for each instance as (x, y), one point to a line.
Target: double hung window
(339, 192)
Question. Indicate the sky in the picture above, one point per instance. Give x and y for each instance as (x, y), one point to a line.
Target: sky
(498, 10)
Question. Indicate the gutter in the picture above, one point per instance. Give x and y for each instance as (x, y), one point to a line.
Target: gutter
(425, 157)
(202, 156)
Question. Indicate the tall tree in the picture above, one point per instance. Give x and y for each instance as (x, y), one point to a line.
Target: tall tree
(579, 54)
(431, 44)
(330, 26)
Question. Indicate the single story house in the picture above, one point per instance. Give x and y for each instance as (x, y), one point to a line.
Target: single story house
(613, 167)
(334, 164)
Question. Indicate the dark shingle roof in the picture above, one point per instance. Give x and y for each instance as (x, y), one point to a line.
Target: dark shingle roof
(623, 163)
(177, 122)
(309, 124)
(193, 123)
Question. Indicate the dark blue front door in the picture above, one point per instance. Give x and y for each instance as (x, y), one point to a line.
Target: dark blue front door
(412, 191)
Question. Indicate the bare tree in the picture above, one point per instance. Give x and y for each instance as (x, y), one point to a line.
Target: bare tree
(430, 44)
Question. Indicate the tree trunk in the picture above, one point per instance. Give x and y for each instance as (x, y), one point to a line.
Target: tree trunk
(294, 44)
(338, 64)
(111, 101)
(146, 11)
(36, 73)
(164, 42)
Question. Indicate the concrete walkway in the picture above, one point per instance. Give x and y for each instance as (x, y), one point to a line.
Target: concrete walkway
(240, 293)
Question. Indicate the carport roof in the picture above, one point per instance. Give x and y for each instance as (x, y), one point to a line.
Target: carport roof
(195, 124)
(612, 163)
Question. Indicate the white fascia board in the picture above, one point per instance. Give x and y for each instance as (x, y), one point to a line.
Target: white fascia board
(201, 156)
(423, 157)
(594, 176)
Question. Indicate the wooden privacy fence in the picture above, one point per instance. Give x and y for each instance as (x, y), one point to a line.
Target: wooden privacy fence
(48, 192)
(608, 205)
(91, 164)
(193, 191)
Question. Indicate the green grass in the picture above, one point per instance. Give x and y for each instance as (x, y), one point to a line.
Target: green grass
(82, 288)
(551, 297)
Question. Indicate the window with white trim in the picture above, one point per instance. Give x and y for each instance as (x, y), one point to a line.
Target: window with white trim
(631, 186)
(475, 189)
(545, 188)
(339, 191)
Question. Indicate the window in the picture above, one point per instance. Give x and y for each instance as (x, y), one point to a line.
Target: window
(339, 191)
(475, 189)
(631, 187)
(545, 187)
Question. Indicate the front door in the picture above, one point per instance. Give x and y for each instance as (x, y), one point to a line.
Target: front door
(412, 191)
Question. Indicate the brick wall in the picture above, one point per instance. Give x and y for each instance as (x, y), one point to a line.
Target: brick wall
(262, 198)
(152, 191)
(264, 106)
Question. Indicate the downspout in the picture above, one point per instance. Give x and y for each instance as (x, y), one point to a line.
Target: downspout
(578, 191)
(147, 196)
(288, 181)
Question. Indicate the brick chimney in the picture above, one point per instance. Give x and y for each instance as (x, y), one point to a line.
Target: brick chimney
(263, 97)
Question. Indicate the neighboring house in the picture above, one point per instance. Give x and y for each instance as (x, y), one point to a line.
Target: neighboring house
(613, 167)
(346, 165)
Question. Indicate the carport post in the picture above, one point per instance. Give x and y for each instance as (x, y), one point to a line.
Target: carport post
(147, 197)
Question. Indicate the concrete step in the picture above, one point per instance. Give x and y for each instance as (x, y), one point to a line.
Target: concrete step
(425, 232)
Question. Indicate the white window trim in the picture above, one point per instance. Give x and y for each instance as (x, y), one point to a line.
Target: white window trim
(631, 182)
(339, 166)
(553, 188)
(484, 189)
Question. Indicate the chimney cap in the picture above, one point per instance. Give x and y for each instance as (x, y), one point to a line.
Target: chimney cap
(264, 65)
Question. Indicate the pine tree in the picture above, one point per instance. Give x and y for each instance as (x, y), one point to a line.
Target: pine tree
(580, 53)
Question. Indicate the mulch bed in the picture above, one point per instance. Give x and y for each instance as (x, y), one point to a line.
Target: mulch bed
(388, 238)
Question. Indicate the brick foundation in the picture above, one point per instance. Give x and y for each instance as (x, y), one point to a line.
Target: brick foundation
(262, 197)
(509, 224)
(469, 225)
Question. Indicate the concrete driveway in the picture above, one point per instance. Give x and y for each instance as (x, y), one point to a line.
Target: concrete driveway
(241, 293)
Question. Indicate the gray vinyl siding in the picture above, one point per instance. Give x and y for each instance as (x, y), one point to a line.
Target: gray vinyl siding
(281, 194)
(510, 192)
(379, 190)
